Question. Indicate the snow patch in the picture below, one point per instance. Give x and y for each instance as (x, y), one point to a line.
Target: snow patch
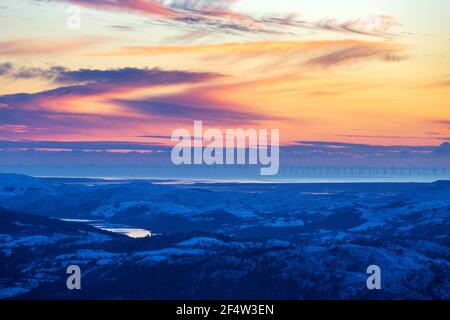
(201, 242)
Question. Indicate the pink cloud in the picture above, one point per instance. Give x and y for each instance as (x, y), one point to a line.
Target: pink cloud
(34, 46)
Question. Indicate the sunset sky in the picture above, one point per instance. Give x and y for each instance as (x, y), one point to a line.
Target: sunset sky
(368, 71)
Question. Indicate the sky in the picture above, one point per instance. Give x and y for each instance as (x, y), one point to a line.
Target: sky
(366, 72)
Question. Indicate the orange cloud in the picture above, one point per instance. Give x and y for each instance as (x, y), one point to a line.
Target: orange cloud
(250, 49)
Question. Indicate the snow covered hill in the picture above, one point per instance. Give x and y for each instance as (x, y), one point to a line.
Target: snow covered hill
(250, 241)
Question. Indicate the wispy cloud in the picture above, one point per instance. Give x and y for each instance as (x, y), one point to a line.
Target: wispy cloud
(443, 122)
(121, 76)
(81, 145)
(41, 46)
(322, 53)
(376, 25)
(5, 68)
(152, 7)
(242, 49)
(207, 14)
(394, 137)
(440, 84)
(192, 106)
(69, 104)
(383, 51)
(219, 15)
(307, 153)
(15, 128)
(345, 149)
(90, 83)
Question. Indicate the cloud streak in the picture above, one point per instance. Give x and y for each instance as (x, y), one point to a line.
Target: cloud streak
(68, 105)
(86, 86)
(386, 52)
(312, 53)
(82, 145)
(311, 153)
(193, 106)
(34, 46)
(377, 25)
(121, 76)
(218, 15)
(345, 149)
